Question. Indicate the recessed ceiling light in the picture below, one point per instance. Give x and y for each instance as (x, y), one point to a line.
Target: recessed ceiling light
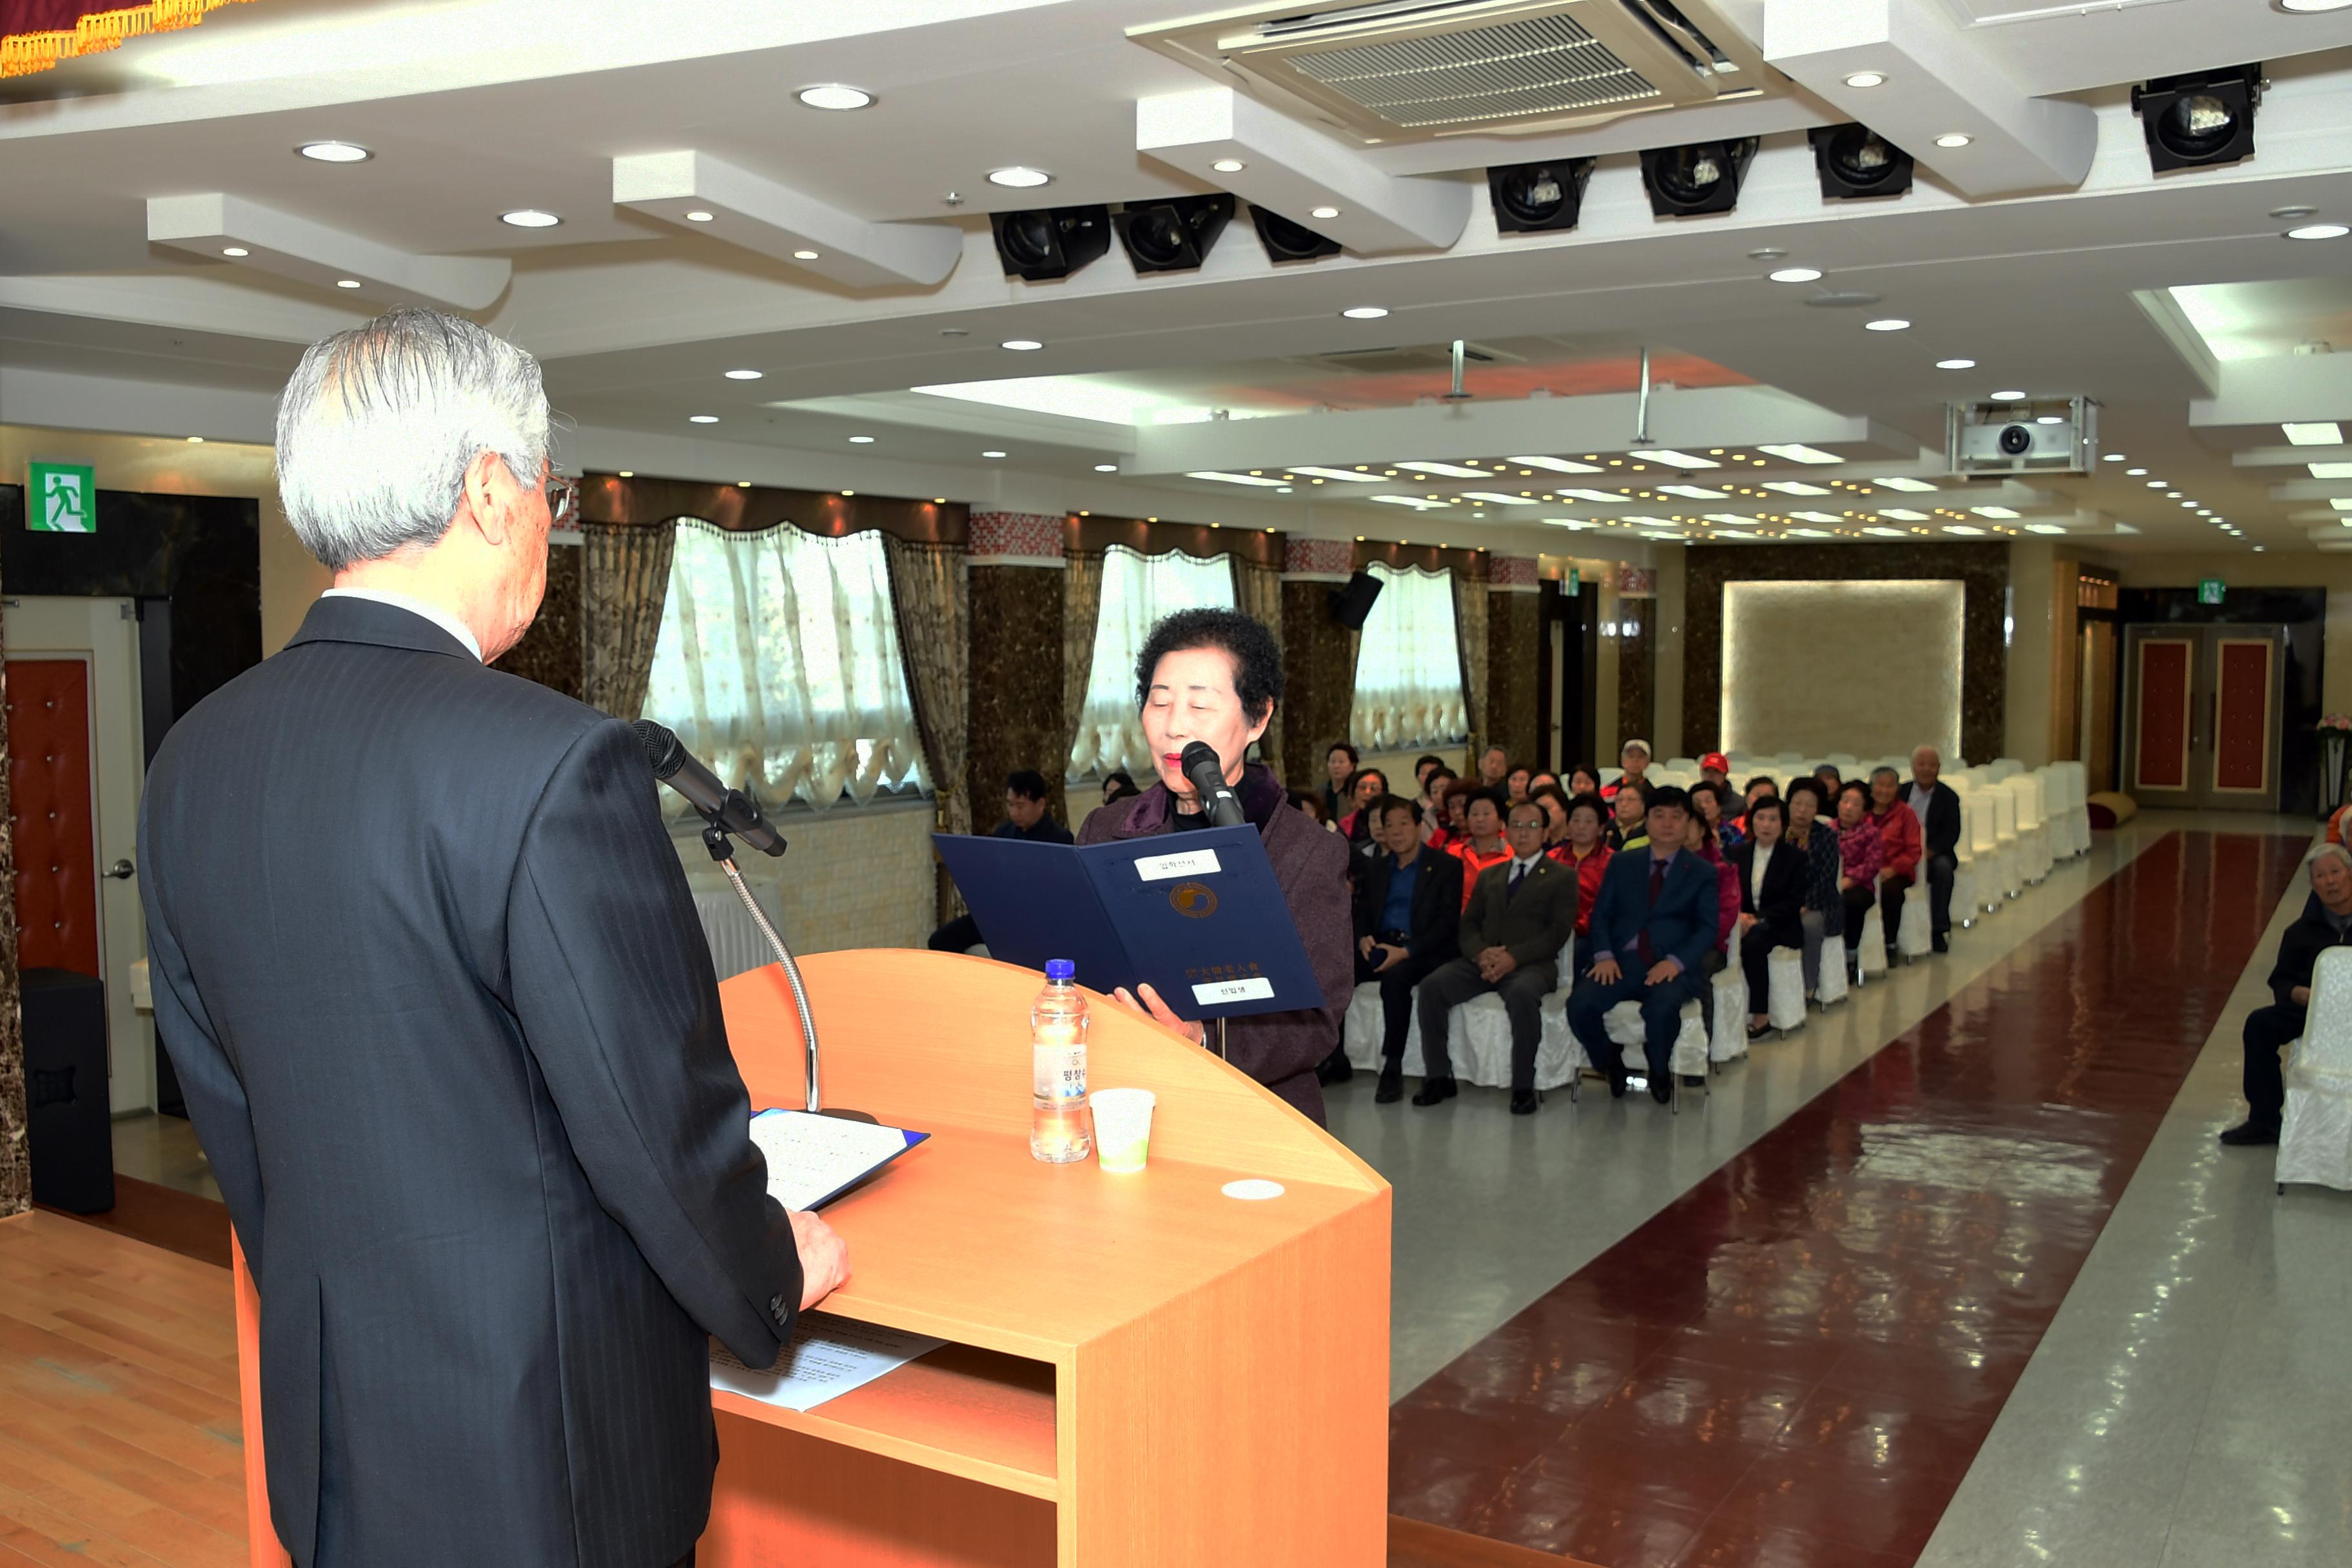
(702, 419)
(1365, 312)
(2112, 457)
(529, 218)
(2010, 396)
(347, 282)
(1954, 138)
(804, 256)
(991, 454)
(742, 484)
(1796, 275)
(2174, 495)
(848, 492)
(2156, 484)
(1967, 529)
(235, 250)
(1229, 166)
(2310, 7)
(698, 216)
(861, 440)
(195, 440)
(1324, 212)
(1798, 452)
(744, 374)
(1866, 78)
(835, 95)
(1105, 467)
(2314, 433)
(1917, 486)
(2003, 513)
(628, 473)
(1018, 177)
(2050, 419)
(2135, 473)
(2319, 231)
(1887, 324)
(2044, 528)
(1956, 364)
(1021, 345)
(335, 151)
(2330, 471)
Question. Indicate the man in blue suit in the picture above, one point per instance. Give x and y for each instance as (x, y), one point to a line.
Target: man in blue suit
(1652, 927)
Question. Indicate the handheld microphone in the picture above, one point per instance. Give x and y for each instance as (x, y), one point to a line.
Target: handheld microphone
(1200, 764)
(730, 810)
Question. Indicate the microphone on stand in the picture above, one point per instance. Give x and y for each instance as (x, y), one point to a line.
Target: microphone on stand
(729, 810)
(1201, 766)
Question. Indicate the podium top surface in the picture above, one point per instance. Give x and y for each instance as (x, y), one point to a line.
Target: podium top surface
(966, 1237)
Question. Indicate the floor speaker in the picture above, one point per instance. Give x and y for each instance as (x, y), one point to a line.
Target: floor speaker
(66, 1124)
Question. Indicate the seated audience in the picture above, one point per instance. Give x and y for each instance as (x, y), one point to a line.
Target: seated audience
(1707, 805)
(1900, 828)
(1633, 763)
(1339, 765)
(1585, 854)
(1629, 817)
(2326, 922)
(1482, 844)
(1522, 912)
(1825, 863)
(1715, 768)
(1433, 805)
(1654, 927)
(1699, 841)
(1424, 765)
(1938, 806)
(1830, 784)
(1774, 877)
(1118, 785)
(1555, 810)
(1025, 817)
(1759, 785)
(1408, 912)
(1494, 766)
(1516, 784)
(1862, 850)
(1307, 800)
(1454, 807)
(1364, 786)
(1541, 782)
(1585, 779)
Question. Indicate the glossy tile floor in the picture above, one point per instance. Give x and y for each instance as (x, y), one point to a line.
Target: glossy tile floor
(163, 1150)
(1796, 1354)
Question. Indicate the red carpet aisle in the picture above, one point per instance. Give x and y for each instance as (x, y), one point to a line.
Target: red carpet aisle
(1794, 1363)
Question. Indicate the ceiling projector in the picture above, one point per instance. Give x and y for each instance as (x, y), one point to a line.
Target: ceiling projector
(2025, 436)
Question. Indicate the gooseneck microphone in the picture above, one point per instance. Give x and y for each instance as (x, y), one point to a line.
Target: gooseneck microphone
(730, 810)
(1200, 766)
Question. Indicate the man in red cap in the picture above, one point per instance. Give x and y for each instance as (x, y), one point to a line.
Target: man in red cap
(1715, 768)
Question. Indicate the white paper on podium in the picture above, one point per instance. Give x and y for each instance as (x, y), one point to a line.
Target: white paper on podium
(828, 1357)
(814, 1158)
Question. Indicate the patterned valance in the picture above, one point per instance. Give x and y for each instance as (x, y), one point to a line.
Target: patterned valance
(36, 35)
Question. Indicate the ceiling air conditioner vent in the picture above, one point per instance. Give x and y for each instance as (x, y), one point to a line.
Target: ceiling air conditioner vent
(1406, 69)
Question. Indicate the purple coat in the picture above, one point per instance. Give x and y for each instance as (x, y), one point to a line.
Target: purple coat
(1278, 1049)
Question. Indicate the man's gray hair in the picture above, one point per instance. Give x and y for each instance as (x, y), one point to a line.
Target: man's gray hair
(378, 424)
(2336, 852)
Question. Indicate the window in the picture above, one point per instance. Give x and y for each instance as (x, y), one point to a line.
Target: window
(1138, 591)
(1409, 664)
(778, 664)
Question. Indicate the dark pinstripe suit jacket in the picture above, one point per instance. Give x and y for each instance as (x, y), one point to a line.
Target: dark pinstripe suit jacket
(432, 978)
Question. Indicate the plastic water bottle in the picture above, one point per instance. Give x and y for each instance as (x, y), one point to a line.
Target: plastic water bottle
(1060, 1131)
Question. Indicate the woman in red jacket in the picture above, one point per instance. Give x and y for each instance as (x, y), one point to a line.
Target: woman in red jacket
(1898, 830)
(1584, 850)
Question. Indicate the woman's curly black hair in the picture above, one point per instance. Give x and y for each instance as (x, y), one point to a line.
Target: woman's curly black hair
(1257, 659)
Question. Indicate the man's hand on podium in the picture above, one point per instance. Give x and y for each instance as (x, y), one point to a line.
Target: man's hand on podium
(825, 1260)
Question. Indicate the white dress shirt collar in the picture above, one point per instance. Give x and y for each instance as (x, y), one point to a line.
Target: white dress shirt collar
(434, 613)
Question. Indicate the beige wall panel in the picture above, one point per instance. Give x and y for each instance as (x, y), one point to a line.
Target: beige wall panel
(1869, 668)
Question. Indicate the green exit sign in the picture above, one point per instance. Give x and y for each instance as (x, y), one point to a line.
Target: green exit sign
(2210, 590)
(62, 499)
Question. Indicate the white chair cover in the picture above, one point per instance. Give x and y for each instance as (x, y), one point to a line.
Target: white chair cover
(1873, 943)
(1914, 936)
(1833, 989)
(1477, 1035)
(1784, 1003)
(2316, 1135)
(1623, 1022)
(2007, 877)
(1729, 1040)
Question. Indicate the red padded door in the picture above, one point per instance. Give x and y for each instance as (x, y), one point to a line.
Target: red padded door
(49, 813)
(2166, 669)
(2241, 715)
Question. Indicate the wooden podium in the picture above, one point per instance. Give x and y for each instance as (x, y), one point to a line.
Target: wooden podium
(1139, 1369)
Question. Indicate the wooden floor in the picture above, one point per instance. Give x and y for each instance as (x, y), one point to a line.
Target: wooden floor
(120, 1440)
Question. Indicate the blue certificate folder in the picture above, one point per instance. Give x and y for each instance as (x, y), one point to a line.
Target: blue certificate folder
(1198, 916)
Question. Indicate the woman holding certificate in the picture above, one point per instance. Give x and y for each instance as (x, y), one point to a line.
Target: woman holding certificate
(1213, 676)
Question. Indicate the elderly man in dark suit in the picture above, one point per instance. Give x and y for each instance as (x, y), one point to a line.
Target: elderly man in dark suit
(427, 966)
(2326, 922)
(1408, 913)
(1656, 921)
(1522, 912)
(1938, 806)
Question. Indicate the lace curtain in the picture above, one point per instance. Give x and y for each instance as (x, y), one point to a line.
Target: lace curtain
(1136, 592)
(778, 664)
(1409, 664)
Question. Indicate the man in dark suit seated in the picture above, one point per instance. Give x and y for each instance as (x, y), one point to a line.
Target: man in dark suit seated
(1025, 817)
(1408, 912)
(427, 964)
(1651, 935)
(2326, 922)
(1938, 806)
(1521, 913)
(1773, 879)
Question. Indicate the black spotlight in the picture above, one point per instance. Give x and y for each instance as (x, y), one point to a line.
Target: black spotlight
(1287, 241)
(1703, 178)
(1531, 197)
(1856, 160)
(1042, 244)
(2200, 119)
(1174, 236)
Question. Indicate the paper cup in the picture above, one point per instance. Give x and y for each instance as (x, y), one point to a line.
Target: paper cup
(1123, 1127)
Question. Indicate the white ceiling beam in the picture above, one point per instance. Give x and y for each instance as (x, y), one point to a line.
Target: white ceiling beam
(758, 215)
(2280, 390)
(204, 228)
(1936, 81)
(1288, 169)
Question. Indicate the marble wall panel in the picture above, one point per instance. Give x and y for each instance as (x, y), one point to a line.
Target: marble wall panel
(551, 652)
(1016, 686)
(1777, 637)
(1637, 671)
(1515, 647)
(1318, 656)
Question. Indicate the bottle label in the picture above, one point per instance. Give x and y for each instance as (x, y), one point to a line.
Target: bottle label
(1058, 1069)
